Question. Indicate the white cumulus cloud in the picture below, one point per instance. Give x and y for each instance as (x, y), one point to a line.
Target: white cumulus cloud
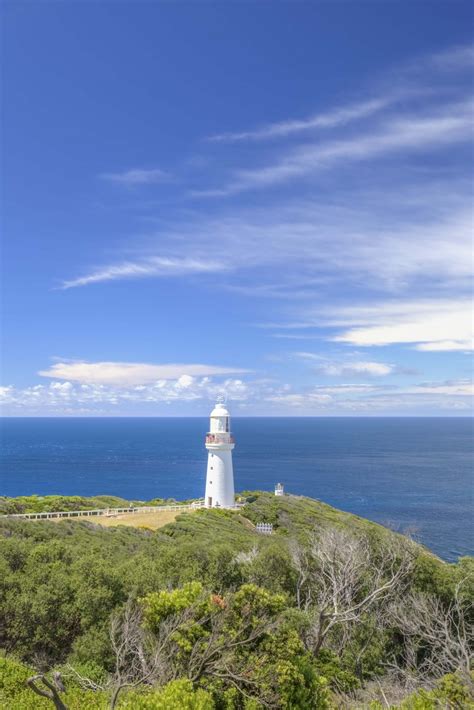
(131, 373)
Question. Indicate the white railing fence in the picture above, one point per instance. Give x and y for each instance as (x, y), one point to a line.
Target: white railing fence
(107, 512)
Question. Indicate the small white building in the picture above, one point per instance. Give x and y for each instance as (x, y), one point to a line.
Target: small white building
(220, 474)
(279, 489)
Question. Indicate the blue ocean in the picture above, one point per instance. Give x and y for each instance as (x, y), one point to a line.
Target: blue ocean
(407, 473)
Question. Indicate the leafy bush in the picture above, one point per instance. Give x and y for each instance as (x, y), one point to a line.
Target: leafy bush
(177, 695)
(450, 692)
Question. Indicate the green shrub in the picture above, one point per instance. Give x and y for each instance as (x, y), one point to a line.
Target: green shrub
(177, 695)
(450, 692)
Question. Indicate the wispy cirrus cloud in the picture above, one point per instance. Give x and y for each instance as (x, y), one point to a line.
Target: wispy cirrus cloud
(131, 373)
(422, 324)
(355, 398)
(146, 267)
(457, 388)
(420, 230)
(137, 176)
(347, 368)
(408, 86)
(451, 59)
(336, 117)
(404, 134)
(414, 229)
(426, 324)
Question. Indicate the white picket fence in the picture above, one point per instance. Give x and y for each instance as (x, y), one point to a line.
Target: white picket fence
(264, 528)
(108, 512)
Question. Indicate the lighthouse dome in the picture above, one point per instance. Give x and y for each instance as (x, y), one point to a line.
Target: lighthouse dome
(219, 411)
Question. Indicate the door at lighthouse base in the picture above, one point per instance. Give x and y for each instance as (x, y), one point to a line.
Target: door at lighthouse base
(209, 502)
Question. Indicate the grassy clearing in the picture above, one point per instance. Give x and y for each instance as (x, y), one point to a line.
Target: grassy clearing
(153, 520)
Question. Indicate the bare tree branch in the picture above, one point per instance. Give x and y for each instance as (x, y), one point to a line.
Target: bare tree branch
(51, 689)
(437, 638)
(340, 578)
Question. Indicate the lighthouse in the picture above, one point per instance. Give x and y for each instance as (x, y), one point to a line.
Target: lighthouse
(220, 474)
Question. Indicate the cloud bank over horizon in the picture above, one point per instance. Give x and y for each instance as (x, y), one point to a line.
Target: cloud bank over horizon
(193, 396)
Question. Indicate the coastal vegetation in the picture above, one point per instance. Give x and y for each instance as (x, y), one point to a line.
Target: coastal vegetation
(330, 611)
(53, 503)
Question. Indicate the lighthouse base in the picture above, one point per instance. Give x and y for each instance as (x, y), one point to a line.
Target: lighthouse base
(219, 479)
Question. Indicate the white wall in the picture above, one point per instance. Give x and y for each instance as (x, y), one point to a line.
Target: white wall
(220, 478)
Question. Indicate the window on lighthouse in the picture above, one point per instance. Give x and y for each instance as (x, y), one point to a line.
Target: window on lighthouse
(227, 424)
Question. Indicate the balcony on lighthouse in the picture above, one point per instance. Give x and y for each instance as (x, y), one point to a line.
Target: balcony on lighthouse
(219, 439)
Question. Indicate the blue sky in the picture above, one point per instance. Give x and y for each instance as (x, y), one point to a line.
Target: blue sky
(267, 199)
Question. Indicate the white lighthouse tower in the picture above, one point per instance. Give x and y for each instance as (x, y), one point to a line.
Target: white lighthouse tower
(220, 474)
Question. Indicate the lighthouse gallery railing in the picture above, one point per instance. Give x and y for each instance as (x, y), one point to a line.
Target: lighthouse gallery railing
(219, 439)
